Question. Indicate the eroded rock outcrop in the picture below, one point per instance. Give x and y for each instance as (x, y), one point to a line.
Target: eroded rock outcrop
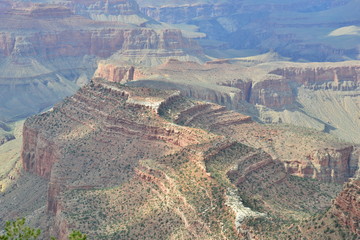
(331, 165)
(38, 153)
(342, 77)
(114, 139)
(347, 206)
(171, 13)
(112, 73)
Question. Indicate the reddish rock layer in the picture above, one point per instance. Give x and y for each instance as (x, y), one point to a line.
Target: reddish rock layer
(39, 153)
(102, 42)
(347, 206)
(325, 161)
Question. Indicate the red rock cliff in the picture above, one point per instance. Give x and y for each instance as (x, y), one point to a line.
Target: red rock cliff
(330, 165)
(38, 153)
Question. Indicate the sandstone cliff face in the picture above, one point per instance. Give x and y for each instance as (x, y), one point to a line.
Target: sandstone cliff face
(300, 154)
(278, 89)
(347, 206)
(343, 78)
(38, 153)
(94, 8)
(272, 93)
(75, 144)
(114, 138)
(41, 144)
(102, 42)
(112, 73)
(330, 165)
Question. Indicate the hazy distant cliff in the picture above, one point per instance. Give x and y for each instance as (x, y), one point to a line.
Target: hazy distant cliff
(49, 51)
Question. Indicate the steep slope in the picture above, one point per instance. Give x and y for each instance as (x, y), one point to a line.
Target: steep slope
(129, 162)
(346, 206)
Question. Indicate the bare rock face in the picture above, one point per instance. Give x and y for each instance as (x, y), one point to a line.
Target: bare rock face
(74, 144)
(39, 153)
(171, 13)
(115, 73)
(272, 93)
(342, 78)
(322, 159)
(49, 12)
(331, 165)
(322, 96)
(346, 206)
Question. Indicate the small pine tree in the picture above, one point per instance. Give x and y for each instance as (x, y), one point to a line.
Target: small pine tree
(18, 231)
(77, 235)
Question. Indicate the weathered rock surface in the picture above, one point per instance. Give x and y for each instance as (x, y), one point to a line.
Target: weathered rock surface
(346, 206)
(322, 158)
(113, 139)
(305, 94)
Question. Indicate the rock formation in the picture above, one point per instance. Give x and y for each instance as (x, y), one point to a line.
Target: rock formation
(346, 206)
(299, 30)
(45, 60)
(115, 150)
(292, 93)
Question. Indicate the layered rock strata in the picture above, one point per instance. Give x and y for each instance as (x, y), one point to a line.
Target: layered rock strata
(44, 60)
(323, 96)
(346, 206)
(301, 30)
(178, 154)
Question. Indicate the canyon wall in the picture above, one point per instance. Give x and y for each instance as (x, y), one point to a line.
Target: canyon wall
(346, 207)
(278, 88)
(330, 165)
(99, 42)
(109, 135)
(50, 52)
(342, 77)
(39, 153)
(302, 31)
(172, 13)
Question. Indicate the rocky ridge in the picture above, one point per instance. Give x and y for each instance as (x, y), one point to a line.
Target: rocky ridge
(77, 146)
(291, 94)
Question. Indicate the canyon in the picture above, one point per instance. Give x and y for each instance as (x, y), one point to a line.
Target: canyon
(304, 94)
(49, 52)
(305, 30)
(139, 146)
(185, 119)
